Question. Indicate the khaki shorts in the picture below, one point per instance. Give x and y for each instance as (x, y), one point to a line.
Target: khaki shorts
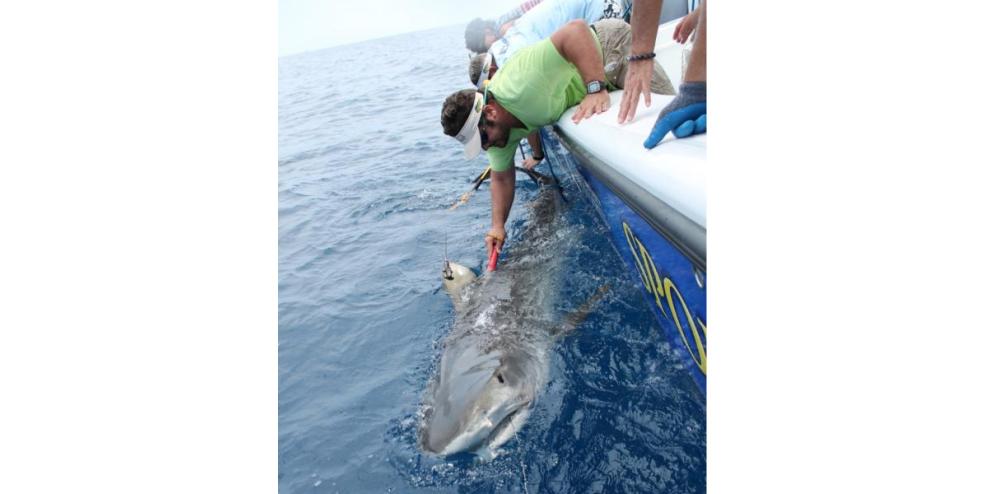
(616, 39)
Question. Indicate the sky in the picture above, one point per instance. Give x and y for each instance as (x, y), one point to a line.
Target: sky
(305, 25)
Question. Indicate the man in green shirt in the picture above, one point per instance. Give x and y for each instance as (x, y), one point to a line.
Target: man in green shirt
(536, 86)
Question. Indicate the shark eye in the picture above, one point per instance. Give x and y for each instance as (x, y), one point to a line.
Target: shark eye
(500, 377)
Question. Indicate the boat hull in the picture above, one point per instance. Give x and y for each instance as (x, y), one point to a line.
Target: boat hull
(663, 251)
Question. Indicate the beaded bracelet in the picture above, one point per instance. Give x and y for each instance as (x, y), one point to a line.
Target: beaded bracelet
(642, 56)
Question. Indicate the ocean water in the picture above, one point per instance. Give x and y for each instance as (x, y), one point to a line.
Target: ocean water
(366, 178)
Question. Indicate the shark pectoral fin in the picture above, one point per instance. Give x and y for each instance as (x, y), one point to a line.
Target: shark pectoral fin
(455, 278)
(580, 314)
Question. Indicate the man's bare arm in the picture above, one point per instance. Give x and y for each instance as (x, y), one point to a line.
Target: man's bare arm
(534, 139)
(502, 187)
(644, 23)
(575, 43)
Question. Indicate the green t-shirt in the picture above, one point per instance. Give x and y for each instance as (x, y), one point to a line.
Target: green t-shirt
(537, 86)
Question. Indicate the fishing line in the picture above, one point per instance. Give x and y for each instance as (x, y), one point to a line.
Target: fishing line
(523, 469)
(446, 272)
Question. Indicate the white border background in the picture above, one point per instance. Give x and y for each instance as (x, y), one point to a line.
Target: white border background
(138, 266)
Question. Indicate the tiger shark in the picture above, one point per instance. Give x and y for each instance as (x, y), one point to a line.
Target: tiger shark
(496, 357)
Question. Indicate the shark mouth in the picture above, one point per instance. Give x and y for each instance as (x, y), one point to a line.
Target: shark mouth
(501, 428)
(506, 429)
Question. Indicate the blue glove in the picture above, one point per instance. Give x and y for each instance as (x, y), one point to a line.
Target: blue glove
(684, 115)
(691, 119)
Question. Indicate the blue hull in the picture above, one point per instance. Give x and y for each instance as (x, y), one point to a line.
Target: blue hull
(672, 281)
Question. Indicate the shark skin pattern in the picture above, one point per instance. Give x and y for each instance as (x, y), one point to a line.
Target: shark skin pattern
(496, 358)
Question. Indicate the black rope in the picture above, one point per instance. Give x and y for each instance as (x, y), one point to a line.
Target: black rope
(556, 181)
(550, 164)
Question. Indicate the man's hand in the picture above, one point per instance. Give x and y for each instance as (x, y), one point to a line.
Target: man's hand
(495, 240)
(592, 104)
(637, 83)
(686, 27)
(530, 163)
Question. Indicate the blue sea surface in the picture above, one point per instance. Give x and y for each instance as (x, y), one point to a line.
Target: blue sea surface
(366, 179)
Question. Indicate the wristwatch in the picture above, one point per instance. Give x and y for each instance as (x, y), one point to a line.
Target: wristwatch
(594, 87)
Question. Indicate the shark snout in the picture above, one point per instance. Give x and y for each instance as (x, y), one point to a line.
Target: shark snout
(478, 430)
(465, 414)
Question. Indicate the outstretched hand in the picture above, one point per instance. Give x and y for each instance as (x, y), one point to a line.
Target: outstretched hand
(637, 83)
(592, 104)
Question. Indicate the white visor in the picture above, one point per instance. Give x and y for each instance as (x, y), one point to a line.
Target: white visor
(469, 135)
(484, 74)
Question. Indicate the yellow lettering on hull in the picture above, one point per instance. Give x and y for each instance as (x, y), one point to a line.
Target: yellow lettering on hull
(666, 293)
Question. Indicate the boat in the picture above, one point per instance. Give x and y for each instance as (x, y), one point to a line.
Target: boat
(653, 202)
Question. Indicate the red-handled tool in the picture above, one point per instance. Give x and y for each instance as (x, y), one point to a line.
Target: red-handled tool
(491, 265)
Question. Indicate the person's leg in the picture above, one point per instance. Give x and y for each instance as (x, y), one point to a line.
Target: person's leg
(660, 82)
(612, 39)
(616, 38)
(686, 114)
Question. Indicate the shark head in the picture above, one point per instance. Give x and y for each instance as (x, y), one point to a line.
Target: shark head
(479, 400)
